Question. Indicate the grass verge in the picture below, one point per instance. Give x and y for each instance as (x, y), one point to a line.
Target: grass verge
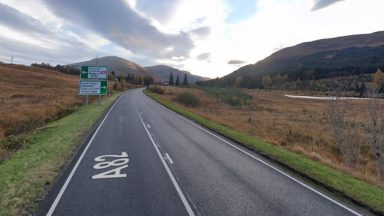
(24, 177)
(359, 191)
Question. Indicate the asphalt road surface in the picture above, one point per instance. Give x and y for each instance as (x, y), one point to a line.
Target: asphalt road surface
(146, 160)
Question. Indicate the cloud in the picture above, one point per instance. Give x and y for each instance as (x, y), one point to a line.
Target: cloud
(119, 23)
(237, 62)
(26, 53)
(16, 20)
(319, 4)
(161, 10)
(203, 56)
(201, 33)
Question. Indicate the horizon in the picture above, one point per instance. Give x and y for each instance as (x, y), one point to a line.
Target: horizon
(212, 41)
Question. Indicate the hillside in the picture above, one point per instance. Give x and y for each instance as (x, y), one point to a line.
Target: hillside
(162, 72)
(31, 96)
(116, 64)
(326, 58)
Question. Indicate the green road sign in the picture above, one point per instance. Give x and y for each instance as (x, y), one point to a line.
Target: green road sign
(94, 72)
(93, 87)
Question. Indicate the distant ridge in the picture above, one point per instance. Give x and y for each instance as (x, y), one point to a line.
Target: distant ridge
(116, 64)
(162, 72)
(325, 58)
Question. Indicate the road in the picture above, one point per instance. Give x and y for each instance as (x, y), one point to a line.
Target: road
(146, 160)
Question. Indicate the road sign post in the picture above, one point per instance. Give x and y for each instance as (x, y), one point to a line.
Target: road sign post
(93, 81)
(94, 72)
(93, 87)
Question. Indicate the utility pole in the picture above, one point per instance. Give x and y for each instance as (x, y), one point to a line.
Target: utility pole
(11, 59)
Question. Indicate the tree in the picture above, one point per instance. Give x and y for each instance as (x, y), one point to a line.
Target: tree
(177, 80)
(363, 88)
(378, 78)
(345, 127)
(185, 80)
(284, 78)
(357, 88)
(130, 77)
(266, 81)
(121, 78)
(171, 79)
(148, 80)
(376, 129)
(111, 76)
(138, 80)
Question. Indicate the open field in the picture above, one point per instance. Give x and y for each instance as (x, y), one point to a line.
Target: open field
(300, 125)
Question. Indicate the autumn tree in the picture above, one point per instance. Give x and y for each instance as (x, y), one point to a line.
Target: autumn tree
(378, 78)
(376, 130)
(344, 125)
(266, 81)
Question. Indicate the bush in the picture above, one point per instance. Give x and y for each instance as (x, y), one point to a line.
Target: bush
(231, 96)
(188, 99)
(13, 143)
(156, 89)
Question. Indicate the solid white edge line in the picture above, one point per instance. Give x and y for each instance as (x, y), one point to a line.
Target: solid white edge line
(175, 184)
(169, 158)
(65, 185)
(265, 163)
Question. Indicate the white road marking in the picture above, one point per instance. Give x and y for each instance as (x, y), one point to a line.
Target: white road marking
(175, 184)
(265, 163)
(120, 163)
(149, 126)
(169, 158)
(64, 187)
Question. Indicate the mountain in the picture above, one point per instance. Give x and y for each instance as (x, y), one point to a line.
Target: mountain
(162, 72)
(116, 64)
(326, 58)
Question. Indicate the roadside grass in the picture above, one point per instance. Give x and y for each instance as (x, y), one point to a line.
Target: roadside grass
(361, 192)
(25, 177)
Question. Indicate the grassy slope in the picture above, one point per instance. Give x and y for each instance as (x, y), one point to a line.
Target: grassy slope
(24, 177)
(31, 97)
(371, 196)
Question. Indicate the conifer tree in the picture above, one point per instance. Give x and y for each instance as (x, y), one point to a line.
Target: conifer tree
(177, 80)
(185, 80)
(171, 79)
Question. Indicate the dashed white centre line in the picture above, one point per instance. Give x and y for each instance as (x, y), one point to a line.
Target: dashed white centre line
(173, 179)
(169, 158)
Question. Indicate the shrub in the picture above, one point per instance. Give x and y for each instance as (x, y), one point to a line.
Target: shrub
(13, 143)
(188, 99)
(156, 89)
(231, 96)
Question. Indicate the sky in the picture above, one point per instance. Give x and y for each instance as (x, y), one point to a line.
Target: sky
(210, 38)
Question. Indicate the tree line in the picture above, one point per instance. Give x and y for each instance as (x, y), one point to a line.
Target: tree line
(177, 82)
(60, 68)
(131, 78)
